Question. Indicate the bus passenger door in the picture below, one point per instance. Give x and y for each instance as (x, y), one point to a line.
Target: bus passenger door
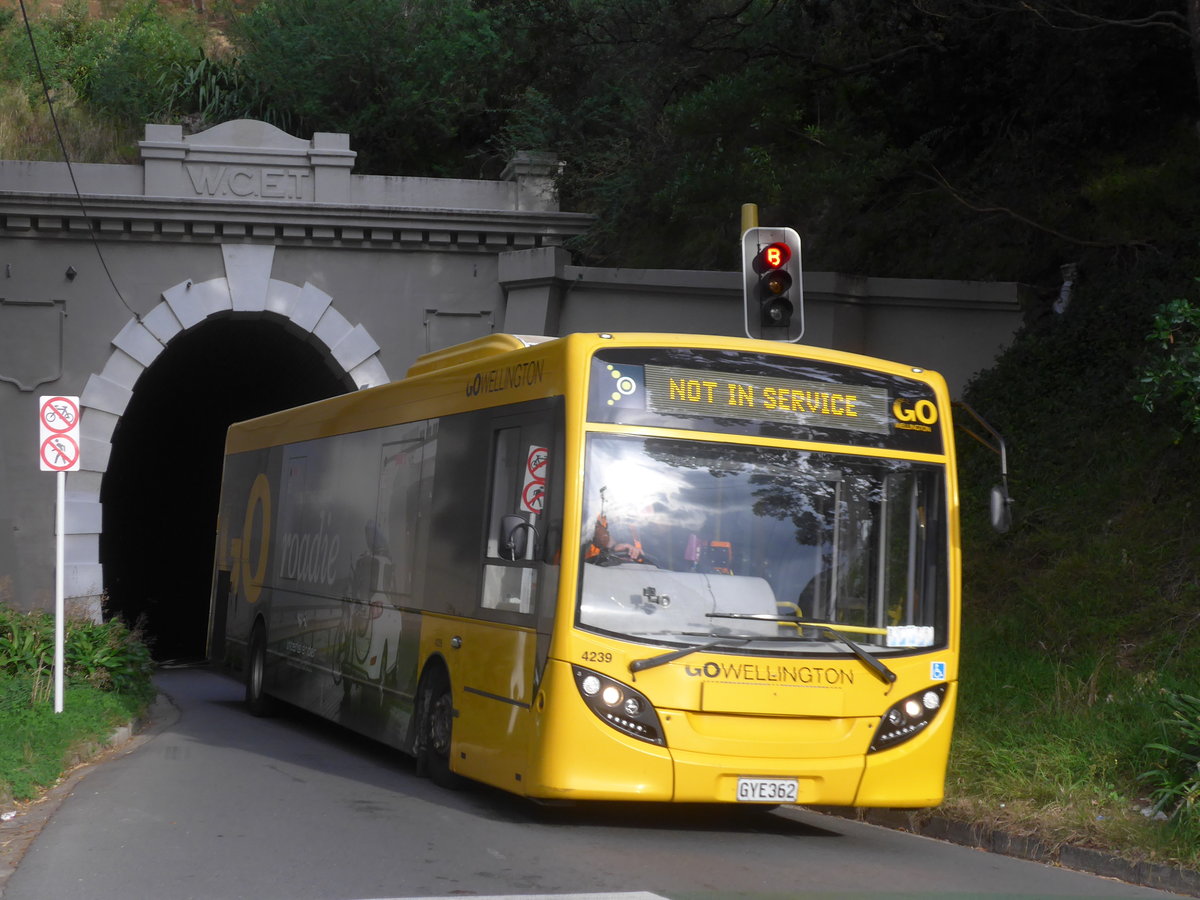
(497, 657)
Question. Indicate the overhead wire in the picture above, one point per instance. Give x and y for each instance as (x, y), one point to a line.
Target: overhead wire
(71, 169)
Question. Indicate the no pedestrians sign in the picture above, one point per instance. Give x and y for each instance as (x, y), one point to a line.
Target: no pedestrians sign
(58, 427)
(533, 491)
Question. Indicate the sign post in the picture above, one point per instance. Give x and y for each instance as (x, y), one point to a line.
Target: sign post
(58, 427)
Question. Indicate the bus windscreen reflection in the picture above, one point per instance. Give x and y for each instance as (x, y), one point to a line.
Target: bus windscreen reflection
(688, 542)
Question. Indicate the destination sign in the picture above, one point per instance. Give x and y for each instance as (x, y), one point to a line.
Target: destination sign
(697, 392)
(765, 395)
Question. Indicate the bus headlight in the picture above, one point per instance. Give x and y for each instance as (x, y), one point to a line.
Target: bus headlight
(908, 718)
(619, 706)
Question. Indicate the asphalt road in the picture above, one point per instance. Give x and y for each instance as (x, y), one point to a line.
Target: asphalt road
(218, 804)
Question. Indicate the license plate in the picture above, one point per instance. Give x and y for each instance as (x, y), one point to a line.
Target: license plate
(766, 790)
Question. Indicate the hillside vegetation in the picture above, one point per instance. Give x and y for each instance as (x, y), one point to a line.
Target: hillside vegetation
(981, 139)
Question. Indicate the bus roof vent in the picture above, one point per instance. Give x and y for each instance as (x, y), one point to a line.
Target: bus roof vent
(480, 348)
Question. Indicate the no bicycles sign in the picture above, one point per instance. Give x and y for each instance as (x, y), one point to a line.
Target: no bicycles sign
(533, 491)
(58, 427)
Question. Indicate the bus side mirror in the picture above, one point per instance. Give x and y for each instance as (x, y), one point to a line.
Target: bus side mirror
(999, 504)
(513, 539)
(1000, 507)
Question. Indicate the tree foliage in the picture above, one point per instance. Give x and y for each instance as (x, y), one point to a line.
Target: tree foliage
(415, 82)
(958, 139)
(113, 65)
(1171, 379)
(955, 138)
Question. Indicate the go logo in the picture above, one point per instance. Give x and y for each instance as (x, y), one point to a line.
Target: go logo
(922, 411)
(246, 573)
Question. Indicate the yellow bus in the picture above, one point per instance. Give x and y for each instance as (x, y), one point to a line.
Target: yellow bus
(650, 567)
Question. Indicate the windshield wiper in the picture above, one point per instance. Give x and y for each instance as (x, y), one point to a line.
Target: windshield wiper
(886, 675)
(639, 665)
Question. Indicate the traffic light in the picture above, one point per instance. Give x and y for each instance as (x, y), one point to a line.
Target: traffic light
(774, 293)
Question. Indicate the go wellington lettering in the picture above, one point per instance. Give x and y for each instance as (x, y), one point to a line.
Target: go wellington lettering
(311, 556)
(258, 508)
(235, 181)
(827, 675)
(514, 376)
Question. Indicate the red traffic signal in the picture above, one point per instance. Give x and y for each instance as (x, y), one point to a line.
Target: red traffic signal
(775, 256)
(771, 275)
(775, 280)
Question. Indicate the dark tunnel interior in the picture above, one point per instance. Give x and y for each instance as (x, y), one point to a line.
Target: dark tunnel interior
(160, 491)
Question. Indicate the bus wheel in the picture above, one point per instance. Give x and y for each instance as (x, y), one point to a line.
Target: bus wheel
(257, 701)
(437, 722)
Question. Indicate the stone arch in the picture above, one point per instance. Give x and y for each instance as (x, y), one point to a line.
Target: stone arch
(247, 289)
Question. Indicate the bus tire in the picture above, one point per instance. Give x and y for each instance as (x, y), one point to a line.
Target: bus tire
(436, 730)
(257, 700)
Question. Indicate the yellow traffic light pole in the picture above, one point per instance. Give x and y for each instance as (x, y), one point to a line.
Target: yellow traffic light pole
(749, 217)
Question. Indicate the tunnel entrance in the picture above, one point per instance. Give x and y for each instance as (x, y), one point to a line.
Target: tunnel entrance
(161, 488)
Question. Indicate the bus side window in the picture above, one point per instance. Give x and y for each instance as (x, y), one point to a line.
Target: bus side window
(515, 528)
(516, 532)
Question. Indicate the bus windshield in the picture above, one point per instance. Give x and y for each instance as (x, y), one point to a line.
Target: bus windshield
(687, 542)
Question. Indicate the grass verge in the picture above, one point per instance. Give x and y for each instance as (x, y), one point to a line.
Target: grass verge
(38, 745)
(107, 683)
(1081, 625)
(1050, 750)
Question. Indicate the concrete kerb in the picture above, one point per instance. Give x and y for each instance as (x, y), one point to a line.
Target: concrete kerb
(1082, 859)
(17, 833)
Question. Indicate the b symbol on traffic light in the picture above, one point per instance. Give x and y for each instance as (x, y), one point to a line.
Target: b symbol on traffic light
(776, 255)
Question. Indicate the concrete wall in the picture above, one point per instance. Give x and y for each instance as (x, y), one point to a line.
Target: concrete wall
(953, 327)
(244, 220)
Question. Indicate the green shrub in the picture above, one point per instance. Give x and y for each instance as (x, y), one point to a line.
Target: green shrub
(210, 89)
(105, 656)
(114, 65)
(1172, 378)
(107, 676)
(118, 69)
(1175, 779)
(417, 82)
(109, 656)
